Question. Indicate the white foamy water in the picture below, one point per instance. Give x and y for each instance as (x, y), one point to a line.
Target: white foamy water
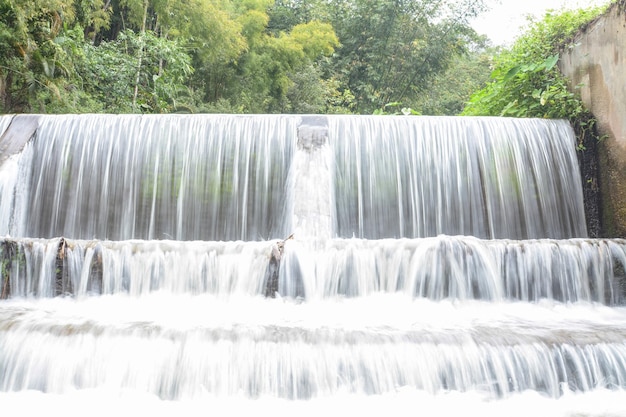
(186, 347)
(488, 177)
(134, 281)
(456, 267)
(225, 177)
(403, 402)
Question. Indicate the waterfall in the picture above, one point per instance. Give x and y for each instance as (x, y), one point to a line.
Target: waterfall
(440, 268)
(485, 177)
(157, 177)
(226, 178)
(415, 261)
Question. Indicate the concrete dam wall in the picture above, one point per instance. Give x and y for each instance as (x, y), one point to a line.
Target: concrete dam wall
(595, 62)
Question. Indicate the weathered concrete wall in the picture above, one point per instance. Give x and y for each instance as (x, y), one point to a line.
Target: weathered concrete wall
(596, 62)
(17, 134)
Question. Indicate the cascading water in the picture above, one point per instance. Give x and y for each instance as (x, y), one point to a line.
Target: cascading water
(149, 177)
(486, 177)
(436, 266)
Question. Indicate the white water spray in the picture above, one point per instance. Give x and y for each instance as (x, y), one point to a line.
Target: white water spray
(435, 262)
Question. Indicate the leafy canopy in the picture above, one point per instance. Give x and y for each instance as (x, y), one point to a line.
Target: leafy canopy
(526, 81)
(262, 56)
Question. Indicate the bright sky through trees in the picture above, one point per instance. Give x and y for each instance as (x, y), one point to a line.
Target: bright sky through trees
(502, 24)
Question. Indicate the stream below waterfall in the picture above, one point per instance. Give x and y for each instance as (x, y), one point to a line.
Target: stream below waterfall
(198, 354)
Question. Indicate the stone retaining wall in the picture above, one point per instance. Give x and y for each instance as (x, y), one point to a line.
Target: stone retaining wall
(596, 63)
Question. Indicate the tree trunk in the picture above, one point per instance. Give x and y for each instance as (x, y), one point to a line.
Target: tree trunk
(140, 53)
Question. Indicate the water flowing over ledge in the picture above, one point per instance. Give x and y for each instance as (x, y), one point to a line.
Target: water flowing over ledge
(300, 261)
(367, 346)
(142, 177)
(219, 177)
(486, 177)
(456, 267)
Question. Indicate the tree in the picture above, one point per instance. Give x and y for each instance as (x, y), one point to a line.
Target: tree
(450, 91)
(225, 55)
(37, 73)
(156, 85)
(276, 66)
(391, 49)
(526, 81)
(27, 54)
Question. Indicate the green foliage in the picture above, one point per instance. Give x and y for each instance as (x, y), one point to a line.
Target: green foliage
(93, 15)
(526, 81)
(449, 91)
(527, 90)
(279, 69)
(391, 50)
(316, 38)
(162, 76)
(253, 56)
(396, 109)
(70, 93)
(29, 61)
(338, 99)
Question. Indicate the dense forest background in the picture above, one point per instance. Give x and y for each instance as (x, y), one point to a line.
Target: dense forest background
(239, 56)
(278, 56)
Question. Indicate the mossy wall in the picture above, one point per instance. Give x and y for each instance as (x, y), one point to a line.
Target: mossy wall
(596, 63)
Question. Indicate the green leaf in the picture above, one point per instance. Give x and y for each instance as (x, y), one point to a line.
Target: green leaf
(531, 87)
(551, 62)
(512, 72)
